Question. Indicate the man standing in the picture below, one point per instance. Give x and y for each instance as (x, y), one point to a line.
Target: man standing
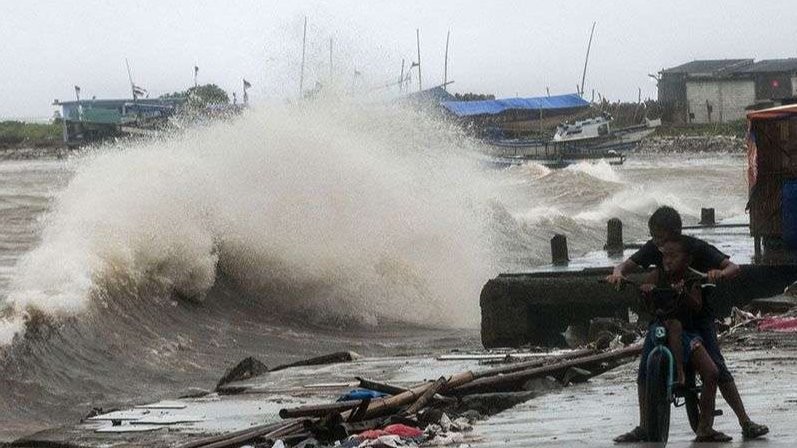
(664, 224)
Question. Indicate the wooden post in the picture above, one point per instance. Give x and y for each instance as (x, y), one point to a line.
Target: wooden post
(559, 249)
(614, 236)
(707, 217)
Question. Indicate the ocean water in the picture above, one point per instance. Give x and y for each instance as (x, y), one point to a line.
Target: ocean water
(135, 270)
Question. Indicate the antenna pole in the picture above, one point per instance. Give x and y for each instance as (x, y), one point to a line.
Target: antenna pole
(401, 77)
(445, 66)
(304, 47)
(586, 59)
(130, 77)
(418, 40)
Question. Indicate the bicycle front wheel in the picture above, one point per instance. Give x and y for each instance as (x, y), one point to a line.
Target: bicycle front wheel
(657, 401)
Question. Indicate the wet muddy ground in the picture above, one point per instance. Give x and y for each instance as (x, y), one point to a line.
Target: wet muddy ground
(593, 413)
(588, 414)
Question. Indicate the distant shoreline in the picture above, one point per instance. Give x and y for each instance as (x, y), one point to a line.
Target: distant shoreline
(21, 140)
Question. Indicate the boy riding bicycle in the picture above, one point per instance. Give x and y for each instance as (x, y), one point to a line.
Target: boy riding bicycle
(677, 312)
(664, 224)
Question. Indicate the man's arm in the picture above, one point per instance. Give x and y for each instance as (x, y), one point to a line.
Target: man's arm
(620, 271)
(727, 270)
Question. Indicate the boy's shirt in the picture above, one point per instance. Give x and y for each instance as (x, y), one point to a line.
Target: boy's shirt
(687, 318)
(705, 257)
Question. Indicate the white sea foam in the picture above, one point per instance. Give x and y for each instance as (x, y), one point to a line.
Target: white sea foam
(351, 210)
(600, 170)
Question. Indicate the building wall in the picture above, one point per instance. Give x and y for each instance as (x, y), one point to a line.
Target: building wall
(718, 101)
(672, 97)
(794, 86)
(773, 86)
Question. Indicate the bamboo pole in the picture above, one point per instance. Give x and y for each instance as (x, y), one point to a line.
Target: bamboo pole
(421, 402)
(382, 405)
(510, 380)
(532, 364)
(319, 410)
(243, 435)
(282, 431)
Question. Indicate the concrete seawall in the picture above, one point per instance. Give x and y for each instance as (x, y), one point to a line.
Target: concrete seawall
(535, 308)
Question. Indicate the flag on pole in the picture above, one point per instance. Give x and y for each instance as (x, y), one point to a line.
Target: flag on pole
(196, 70)
(139, 91)
(247, 84)
(77, 90)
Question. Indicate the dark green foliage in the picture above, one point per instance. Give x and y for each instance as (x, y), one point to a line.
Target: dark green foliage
(473, 96)
(15, 133)
(201, 96)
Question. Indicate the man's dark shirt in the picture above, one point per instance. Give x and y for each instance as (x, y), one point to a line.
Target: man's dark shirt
(705, 257)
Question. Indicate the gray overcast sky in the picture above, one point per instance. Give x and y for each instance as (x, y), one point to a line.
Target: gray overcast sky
(500, 47)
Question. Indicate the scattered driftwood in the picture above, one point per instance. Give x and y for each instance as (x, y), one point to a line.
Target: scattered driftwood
(319, 410)
(379, 387)
(421, 402)
(487, 392)
(248, 434)
(331, 358)
(394, 390)
(248, 368)
(513, 381)
(490, 404)
(516, 367)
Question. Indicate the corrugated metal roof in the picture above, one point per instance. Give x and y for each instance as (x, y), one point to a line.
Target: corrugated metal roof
(773, 66)
(493, 107)
(710, 67)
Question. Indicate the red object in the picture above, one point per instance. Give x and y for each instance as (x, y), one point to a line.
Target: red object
(775, 83)
(780, 324)
(403, 431)
(372, 434)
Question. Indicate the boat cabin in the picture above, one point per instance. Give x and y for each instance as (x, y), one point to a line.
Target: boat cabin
(589, 128)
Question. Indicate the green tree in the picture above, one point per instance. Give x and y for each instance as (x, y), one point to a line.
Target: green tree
(202, 96)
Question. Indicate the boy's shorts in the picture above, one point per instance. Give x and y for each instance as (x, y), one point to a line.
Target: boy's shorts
(690, 341)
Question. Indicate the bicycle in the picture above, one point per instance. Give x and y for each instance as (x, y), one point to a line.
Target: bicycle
(661, 389)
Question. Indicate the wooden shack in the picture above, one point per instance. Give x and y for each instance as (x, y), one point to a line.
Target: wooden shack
(772, 163)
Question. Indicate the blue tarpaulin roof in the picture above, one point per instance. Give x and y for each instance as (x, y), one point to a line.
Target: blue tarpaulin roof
(493, 107)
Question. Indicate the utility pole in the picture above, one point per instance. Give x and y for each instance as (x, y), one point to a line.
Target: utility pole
(401, 77)
(130, 77)
(418, 40)
(586, 59)
(304, 48)
(445, 65)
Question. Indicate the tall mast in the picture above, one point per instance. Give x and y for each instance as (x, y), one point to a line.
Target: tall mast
(401, 77)
(304, 47)
(130, 77)
(445, 65)
(330, 59)
(418, 39)
(586, 59)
